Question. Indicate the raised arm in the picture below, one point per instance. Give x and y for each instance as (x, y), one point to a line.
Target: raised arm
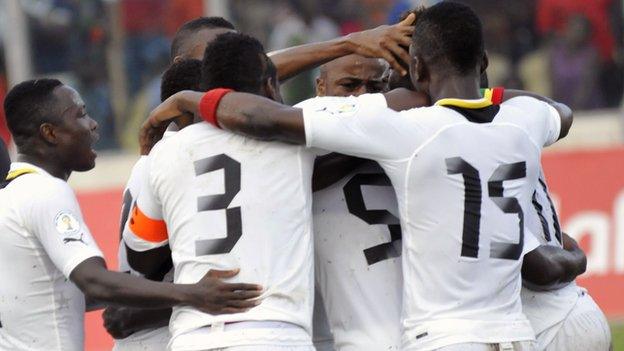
(381, 42)
(565, 113)
(548, 267)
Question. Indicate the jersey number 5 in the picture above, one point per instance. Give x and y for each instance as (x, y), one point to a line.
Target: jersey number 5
(232, 178)
(472, 206)
(357, 207)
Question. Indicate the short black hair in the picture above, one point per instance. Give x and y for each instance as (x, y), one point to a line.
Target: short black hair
(193, 26)
(236, 61)
(28, 105)
(182, 75)
(451, 34)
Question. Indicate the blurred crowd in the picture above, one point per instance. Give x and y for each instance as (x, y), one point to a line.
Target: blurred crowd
(571, 50)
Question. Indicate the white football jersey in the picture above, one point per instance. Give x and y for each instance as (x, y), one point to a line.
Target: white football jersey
(43, 237)
(357, 243)
(231, 202)
(152, 337)
(545, 309)
(462, 188)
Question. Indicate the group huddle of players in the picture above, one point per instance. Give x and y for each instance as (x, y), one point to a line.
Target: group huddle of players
(403, 208)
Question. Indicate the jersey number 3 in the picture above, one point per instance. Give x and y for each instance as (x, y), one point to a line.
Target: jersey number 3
(357, 207)
(232, 178)
(472, 206)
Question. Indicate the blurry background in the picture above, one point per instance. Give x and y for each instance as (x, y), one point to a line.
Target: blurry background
(113, 52)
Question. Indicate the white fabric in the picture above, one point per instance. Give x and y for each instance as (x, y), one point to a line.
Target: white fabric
(43, 238)
(447, 298)
(362, 300)
(516, 346)
(256, 335)
(148, 339)
(321, 333)
(547, 309)
(585, 328)
(269, 184)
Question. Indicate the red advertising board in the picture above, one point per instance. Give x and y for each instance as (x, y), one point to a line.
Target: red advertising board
(587, 187)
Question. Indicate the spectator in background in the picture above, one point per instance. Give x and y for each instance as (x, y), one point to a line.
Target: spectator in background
(552, 17)
(146, 42)
(300, 22)
(575, 66)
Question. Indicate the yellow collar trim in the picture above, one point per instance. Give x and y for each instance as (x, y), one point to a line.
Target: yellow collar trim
(471, 104)
(18, 172)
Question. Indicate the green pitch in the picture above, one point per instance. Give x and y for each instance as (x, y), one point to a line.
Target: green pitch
(617, 330)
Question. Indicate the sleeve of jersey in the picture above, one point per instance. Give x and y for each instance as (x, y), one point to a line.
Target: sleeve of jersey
(146, 229)
(543, 121)
(55, 218)
(357, 126)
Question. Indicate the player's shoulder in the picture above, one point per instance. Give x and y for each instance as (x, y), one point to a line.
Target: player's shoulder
(525, 104)
(343, 105)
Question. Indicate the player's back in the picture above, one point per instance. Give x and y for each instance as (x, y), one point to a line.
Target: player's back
(231, 202)
(357, 251)
(462, 194)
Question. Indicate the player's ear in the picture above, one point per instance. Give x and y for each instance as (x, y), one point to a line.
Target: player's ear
(177, 59)
(419, 71)
(48, 133)
(485, 62)
(272, 89)
(320, 86)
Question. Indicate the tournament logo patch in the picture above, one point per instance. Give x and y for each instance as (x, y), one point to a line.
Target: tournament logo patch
(66, 223)
(339, 108)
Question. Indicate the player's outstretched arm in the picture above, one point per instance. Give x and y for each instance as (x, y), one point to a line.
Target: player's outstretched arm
(565, 113)
(381, 42)
(547, 267)
(210, 294)
(249, 115)
(121, 322)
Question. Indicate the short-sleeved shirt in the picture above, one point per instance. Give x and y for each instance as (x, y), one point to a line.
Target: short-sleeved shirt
(463, 186)
(43, 238)
(222, 201)
(546, 309)
(131, 192)
(357, 251)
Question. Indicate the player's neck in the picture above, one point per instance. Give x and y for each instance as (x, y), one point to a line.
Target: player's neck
(466, 88)
(48, 164)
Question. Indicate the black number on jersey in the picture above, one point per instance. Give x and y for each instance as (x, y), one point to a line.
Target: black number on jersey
(232, 184)
(472, 206)
(357, 207)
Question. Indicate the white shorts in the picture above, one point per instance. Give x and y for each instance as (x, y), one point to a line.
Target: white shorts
(585, 328)
(509, 346)
(244, 336)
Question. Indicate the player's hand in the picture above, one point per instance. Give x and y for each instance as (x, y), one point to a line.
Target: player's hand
(212, 295)
(154, 127)
(385, 42)
(117, 321)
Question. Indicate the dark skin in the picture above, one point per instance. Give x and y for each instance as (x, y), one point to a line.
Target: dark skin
(349, 75)
(550, 266)
(66, 145)
(5, 160)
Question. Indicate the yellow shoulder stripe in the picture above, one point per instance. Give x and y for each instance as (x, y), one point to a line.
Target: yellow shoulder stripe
(470, 104)
(18, 172)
